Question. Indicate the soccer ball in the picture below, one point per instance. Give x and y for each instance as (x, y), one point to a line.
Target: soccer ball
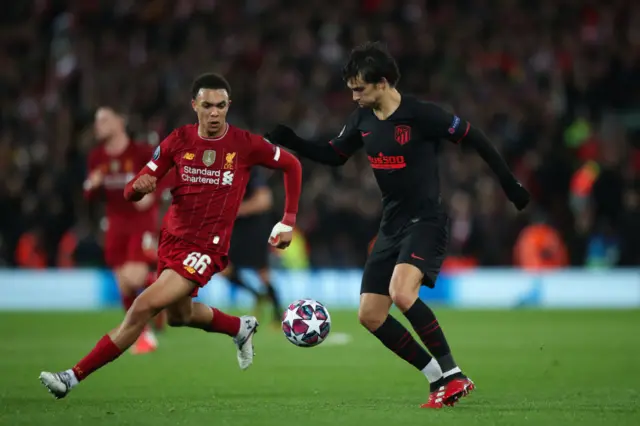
(306, 323)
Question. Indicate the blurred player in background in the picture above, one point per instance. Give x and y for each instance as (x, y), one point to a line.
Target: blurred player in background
(247, 248)
(402, 136)
(131, 234)
(211, 162)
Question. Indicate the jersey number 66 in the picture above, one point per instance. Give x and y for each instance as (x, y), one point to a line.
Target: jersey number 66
(196, 262)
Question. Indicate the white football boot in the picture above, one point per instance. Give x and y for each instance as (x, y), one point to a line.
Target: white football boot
(58, 384)
(244, 340)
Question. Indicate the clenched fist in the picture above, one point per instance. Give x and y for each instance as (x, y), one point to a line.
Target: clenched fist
(145, 184)
(281, 235)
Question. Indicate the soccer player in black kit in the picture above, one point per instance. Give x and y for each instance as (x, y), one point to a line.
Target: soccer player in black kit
(252, 224)
(402, 137)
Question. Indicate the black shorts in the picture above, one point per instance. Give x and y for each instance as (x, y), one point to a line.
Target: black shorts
(422, 244)
(249, 246)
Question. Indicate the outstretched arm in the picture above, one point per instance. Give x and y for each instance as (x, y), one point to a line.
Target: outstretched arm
(271, 156)
(441, 124)
(334, 153)
(321, 152)
(146, 180)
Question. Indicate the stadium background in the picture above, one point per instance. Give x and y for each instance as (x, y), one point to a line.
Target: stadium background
(554, 83)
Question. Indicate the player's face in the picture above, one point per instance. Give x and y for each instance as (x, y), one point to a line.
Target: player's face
(367, 95)
(212, 106)
(107, 123)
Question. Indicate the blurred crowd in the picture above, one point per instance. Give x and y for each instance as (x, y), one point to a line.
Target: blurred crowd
(554, 83)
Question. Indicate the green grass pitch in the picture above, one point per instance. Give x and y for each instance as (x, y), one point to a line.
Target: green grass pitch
(531, 367)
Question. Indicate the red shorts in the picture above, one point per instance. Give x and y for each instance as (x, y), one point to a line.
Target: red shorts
(188, 260)
(121, 248)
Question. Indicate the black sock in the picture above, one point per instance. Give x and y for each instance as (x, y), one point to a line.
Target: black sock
(394, 336)
(275, 301)
(424, 322)
(235, 279)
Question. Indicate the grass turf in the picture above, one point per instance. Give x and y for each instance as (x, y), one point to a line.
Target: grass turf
(530, 367)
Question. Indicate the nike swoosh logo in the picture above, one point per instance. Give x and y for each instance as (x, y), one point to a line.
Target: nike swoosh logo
(365, 134)
(413, 256)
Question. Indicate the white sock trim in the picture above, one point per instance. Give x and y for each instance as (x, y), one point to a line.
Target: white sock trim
(452, 371)
(74, 379)
(432, 371)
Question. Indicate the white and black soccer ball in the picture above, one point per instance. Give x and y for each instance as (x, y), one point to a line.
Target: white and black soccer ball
(306, 323)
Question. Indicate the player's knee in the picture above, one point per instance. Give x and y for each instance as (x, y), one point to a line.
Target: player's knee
(178, 319)
(127, 285)
(142, 310)
(403, 296)
(134, 277)
(370, 319)
(404, 287)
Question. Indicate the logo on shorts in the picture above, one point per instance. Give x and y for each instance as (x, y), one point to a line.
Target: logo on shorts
(228, 165)
(415, 256)
(403, 134)
(191, 156)
(208, 157)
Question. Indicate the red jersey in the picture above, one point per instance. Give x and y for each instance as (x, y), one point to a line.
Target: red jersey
(118, 170)
(210, 178)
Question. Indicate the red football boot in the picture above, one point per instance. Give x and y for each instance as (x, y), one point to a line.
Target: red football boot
(435, 399)
(456, 389)
(145, 344)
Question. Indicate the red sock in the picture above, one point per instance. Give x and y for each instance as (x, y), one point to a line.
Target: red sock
(127, 301)
(103, 353)
(223, 323)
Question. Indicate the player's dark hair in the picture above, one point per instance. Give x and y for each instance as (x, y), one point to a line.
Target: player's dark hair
(209, 81)
(116, 109)
(373, 63)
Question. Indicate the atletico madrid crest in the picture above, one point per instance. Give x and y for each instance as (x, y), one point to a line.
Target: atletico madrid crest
(403, 134)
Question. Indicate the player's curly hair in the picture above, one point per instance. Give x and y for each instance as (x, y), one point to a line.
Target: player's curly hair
(209, 81)
(373, 63)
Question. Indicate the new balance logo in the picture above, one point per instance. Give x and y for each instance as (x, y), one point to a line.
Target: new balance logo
(189, 156)
(227, 178)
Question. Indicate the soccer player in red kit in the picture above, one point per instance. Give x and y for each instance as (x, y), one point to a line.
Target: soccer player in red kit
(131, 227)
(211, 162)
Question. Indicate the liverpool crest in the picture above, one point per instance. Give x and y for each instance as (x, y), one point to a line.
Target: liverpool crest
(229, 160)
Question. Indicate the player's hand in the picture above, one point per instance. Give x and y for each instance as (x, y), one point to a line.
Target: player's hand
(145, 184)
(282, 135)
(517, 194)
(281, 235)
(94, 180)
(242, 210)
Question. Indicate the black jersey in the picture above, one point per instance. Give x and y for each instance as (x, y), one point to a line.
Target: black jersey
(403, 153)
(257, 179)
